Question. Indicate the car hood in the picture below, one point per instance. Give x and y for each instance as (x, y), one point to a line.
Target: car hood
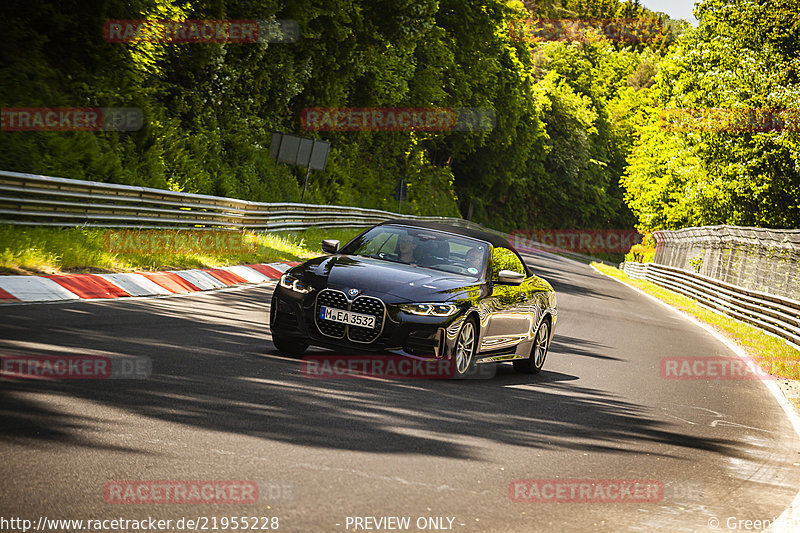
(392, 282)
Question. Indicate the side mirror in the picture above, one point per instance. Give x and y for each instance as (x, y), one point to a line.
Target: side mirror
(509, 277)
(330, 246)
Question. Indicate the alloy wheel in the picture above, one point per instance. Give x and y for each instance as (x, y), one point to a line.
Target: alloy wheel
(465, 348)
(540, 350)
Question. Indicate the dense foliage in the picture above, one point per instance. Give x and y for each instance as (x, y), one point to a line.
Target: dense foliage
(570, 116)
(744, 55)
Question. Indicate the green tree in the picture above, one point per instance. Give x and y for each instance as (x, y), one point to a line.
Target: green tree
(743, 55)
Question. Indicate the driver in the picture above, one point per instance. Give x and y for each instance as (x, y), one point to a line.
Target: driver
(406, 246)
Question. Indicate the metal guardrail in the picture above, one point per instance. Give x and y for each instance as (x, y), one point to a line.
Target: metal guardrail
(762, 259)
(634, 270)
(778, 315)
(29, 199)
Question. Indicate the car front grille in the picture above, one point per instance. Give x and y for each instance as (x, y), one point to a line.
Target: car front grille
(369, 306)
(337, 300)
(366, 305)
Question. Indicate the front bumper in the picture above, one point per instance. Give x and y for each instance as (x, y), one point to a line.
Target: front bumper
(294, 315)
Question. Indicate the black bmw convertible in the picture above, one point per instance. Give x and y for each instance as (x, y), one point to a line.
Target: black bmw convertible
(422, 290)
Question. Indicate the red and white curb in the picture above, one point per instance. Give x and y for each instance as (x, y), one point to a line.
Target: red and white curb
(88, 286)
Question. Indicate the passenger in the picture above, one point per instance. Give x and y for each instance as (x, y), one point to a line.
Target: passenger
(474, 259)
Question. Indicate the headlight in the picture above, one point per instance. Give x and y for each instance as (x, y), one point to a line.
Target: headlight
(293, 284)
(429, 309)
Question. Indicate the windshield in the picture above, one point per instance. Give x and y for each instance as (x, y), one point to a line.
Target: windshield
(422, 247)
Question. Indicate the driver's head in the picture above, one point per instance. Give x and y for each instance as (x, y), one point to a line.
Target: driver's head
(405, 244)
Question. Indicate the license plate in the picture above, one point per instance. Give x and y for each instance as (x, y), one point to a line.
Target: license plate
(347, 317)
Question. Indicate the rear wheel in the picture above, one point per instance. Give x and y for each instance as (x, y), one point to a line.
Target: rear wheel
(464, 353)
(289, 345)
(534, 363)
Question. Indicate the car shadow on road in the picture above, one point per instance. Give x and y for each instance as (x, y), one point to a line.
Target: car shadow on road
(569, 278)
(583, 347)
(215, 368)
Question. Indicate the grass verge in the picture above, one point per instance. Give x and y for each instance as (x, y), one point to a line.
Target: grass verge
(45, 250)
(773, 354)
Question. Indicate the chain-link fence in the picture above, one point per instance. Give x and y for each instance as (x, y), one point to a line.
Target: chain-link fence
(765, 260)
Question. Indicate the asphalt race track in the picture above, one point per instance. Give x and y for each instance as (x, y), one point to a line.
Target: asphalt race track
(222, 405)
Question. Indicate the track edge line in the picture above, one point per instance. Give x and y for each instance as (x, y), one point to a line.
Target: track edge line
(791, 515)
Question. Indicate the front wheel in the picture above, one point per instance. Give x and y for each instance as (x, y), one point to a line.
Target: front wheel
(464, 353)
(534, 363)
(289, 345)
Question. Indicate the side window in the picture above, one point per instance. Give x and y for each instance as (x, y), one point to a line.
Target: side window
(505, 259)
(372, 246)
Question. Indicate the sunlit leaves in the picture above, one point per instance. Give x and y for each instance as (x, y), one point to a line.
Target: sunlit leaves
(743, 55)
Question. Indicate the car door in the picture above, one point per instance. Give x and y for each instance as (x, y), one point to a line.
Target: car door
(509, 319)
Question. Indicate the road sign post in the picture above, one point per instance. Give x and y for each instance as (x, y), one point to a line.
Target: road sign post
(305, 184)
(400, 193)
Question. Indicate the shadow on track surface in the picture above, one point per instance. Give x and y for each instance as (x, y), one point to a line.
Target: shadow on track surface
(214, 368)
(563, 282)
